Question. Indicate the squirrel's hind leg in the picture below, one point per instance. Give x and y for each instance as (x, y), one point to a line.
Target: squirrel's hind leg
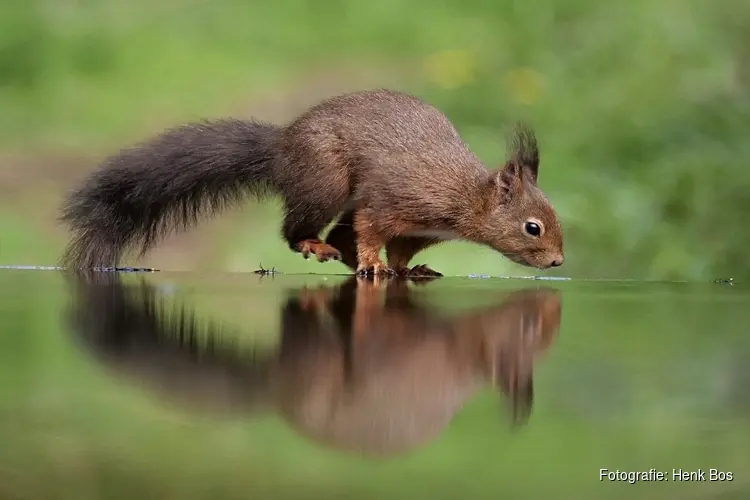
(343, 238)
(322, 251)
(302, 225)
(402, 249)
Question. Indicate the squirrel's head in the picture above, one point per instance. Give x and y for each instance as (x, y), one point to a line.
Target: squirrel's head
(521, 221)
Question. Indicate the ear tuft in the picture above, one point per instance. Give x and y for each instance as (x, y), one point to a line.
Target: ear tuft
(523, 150)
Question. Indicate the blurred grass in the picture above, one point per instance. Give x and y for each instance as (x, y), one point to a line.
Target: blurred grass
(641, 109)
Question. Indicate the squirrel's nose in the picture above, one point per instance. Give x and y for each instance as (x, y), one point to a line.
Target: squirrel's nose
(558, 262)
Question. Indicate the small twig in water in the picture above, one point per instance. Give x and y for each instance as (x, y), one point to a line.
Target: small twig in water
(265, 272)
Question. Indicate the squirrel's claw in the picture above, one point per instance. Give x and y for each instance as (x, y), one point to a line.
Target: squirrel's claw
(423, 271)
(376, 269)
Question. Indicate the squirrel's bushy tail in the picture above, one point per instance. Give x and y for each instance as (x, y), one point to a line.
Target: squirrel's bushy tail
(147, 191)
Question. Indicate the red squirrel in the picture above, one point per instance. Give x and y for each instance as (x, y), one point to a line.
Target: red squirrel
(391, 166)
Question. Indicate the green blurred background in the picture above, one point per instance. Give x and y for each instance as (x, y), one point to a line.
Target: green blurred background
(641, 109)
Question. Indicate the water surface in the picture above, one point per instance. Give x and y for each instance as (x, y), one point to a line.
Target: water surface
(170, 385)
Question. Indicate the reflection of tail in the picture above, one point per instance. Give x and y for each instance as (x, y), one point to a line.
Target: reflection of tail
(132, 330)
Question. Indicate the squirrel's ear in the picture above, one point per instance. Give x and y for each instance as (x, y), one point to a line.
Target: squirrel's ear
(508, 181)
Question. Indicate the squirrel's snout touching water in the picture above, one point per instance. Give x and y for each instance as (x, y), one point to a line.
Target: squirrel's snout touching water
(391, 167)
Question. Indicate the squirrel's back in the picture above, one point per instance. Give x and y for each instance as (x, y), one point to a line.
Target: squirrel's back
(380, 123)
(391, 147)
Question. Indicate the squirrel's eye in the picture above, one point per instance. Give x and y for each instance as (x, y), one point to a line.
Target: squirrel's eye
(533, 228)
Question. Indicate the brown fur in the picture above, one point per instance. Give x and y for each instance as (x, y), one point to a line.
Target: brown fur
(393, 168)
(362, 366)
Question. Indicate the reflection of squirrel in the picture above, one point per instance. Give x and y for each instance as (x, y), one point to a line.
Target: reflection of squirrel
(354, 370)
(393, 166)
(399, 372)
